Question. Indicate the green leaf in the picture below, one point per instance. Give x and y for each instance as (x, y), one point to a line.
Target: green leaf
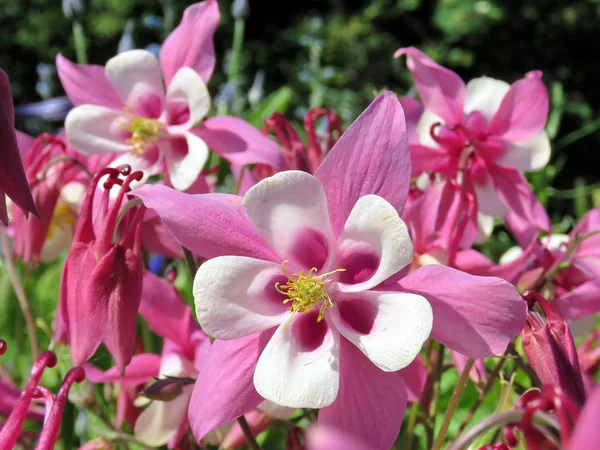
(277, 101)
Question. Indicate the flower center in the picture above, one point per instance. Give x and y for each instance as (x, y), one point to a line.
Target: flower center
(143, 131)
(63, 217)
(305, 291)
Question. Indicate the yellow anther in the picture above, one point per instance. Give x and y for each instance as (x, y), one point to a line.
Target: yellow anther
(62, 217)
(143, 131)
(305, 291)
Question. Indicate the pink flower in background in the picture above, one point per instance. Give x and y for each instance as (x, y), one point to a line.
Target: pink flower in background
(488, 128)
(13, 181)
(124, 108)
(341, 336)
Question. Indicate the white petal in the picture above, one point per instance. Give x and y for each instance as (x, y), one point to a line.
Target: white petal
(290, 375)
(135, 74)
(184, 169)
(187, 87)
(388, 327)
(485, 226)
(510, 255)
(59, 240)
(235, 296)
(373, 246)
(488, 201)
(160, 421)
(289, 210)
(274, 410)
(529, 155)
(556, 241)
(424, 128)
(485, 95)
(96, 129)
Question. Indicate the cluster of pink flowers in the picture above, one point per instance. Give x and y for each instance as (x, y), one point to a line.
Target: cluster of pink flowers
(322, 284)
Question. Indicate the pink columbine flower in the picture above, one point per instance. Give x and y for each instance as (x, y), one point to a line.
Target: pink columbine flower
(13, 181)
(487, 131)
(124, 108)
(102, 279)
(294, 328)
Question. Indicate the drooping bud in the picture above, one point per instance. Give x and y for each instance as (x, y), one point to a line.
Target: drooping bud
(549, 346)
(319, 146)
(12, 428)
(167, 389)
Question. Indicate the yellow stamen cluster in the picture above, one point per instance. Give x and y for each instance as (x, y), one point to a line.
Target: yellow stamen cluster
(62, 217)
(143, 131)
(305, 291)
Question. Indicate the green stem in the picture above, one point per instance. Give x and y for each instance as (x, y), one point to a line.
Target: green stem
(584, 131)
(462, 382)
(236, 49)
(190, 262)
(80, 42)
(572, 193)
(412, 421)
(248, 433)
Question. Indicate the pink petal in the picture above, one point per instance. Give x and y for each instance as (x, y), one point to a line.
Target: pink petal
(370, 404)
(429, 159)
(373, 246)
(412, 112)
(476, 316)
(135, 76)
(319, 437)
(143, 367)
(388, 327)
(165, 311)
(523, 112)
(477, 372)
(289, 210)
(208, 224)
(235, 296)
(374, 149)
(224, 389)
(580, 302)
(161, 421)
(87, 84)
(441, 90)
(96, 129)
(299, 367)
(257, 421)
(157, 239)
(512, 188)
(586, 430)
(414, 376)
(191, 43)
(239, 142)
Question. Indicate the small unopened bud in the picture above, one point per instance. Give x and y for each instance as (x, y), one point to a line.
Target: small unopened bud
(239, 9)
(166, 389)
(549, 346)
(71, 7)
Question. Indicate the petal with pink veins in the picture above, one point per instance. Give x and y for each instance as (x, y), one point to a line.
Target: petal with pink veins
(370, 403)
(143, 367)
(415, 377)
(87, 84)
(185, 160)
(299, 367)
(187, 90)
(96, 129)
(135, 76)
(586, 430)
(239, 142)
(209, 225)
(476, 316)
(441, 90)
(289, 210)
(529, 155)
(485, 95)
(191, 43)
(161, 421)
(320, 437)
(373, 246)
(388, 327)
(224, 389)
(523, 112)
(374, 149)
(235, 296)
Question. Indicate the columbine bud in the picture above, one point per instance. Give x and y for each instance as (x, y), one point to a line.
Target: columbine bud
(549, 346)
(239, 9)
(166, 389)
